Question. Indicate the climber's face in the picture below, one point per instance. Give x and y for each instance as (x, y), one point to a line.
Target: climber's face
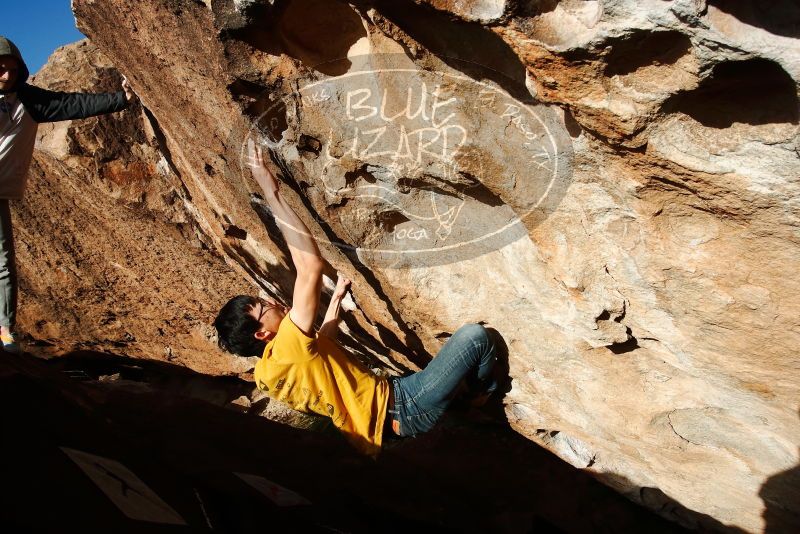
(9, 70)
(269, 314)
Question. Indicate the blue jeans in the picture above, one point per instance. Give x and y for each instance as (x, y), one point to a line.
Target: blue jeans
(421, 399)
(8, 270)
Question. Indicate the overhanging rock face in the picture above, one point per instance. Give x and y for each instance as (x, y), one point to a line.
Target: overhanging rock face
(611, 185)
(108, 248)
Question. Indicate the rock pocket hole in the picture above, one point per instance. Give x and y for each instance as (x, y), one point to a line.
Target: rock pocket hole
(573, 128)
(309, 145)
(320, 33)
(270, 115)
(389, 220)
(755, 92)
(272, 121)
(643, 49)
(351, 178)
(231, 230)
(779, 17)
(626, 346)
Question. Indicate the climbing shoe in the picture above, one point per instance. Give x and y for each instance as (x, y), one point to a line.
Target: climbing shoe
(10, 344)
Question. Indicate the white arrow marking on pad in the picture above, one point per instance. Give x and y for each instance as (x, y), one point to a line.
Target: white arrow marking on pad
(274, 492)
(124, 488)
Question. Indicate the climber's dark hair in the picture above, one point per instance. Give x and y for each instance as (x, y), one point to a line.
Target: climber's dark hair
(235, 327)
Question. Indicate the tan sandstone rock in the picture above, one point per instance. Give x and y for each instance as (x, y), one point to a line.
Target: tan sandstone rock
(611, 185)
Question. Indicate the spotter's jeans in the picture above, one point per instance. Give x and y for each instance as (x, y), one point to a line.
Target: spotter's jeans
(421, 399)
(8, 271)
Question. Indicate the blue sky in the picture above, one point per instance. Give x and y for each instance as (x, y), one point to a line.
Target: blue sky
(38, 27)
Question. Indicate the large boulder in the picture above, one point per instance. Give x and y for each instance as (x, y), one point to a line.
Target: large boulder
(109, 254)
(611, 185)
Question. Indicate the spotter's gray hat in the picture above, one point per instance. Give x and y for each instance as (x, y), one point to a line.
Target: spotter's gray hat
(7, 48)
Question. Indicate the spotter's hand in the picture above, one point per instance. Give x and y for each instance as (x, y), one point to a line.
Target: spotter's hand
(126, 86)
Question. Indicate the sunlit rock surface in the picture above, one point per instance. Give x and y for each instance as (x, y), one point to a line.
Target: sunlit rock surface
(109, 252)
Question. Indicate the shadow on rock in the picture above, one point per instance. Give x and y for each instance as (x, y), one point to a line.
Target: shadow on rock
(217, 469)
(778, 17)
(658, 501)
(468, 47)
(318, 33)
(781, 496)
(149, 376)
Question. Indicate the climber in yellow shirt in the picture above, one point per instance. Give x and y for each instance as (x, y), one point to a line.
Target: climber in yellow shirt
(308, 370)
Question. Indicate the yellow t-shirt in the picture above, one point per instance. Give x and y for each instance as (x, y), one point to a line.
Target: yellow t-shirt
(316, 375)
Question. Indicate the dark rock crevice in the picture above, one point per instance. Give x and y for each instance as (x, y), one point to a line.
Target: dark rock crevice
(467, 47)
(626, 346)
(317, 33)
(645, 48)
(755, 92)
(779, 17)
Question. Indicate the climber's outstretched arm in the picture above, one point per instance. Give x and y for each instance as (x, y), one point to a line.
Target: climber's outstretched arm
(303, 247)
